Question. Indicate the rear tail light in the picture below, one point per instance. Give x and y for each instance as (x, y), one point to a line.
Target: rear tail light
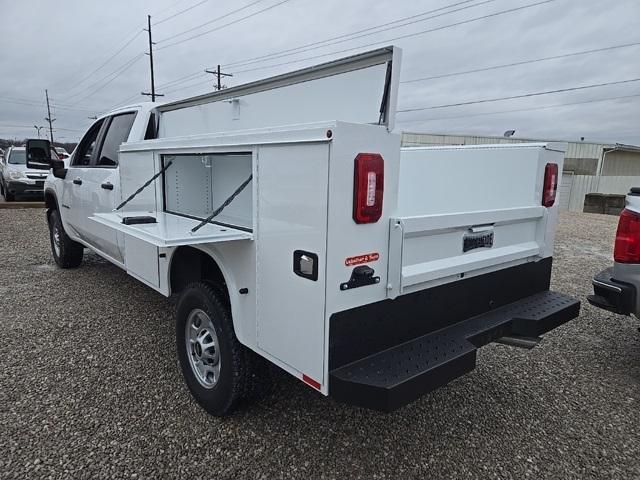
(627, 246)
(368, 187)
(550, 184)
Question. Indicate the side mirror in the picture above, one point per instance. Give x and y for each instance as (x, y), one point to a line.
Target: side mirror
(59, 170)
(38, 154)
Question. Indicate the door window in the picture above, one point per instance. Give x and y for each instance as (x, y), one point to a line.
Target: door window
(116, 135)
(84, 152)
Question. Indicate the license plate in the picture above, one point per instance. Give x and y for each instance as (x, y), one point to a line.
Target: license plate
(39, 183)
(472, 241)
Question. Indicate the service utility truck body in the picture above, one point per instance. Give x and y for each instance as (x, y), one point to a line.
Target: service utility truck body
(294, 228)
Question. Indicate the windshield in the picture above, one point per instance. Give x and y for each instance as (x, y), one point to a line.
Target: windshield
(18, 157)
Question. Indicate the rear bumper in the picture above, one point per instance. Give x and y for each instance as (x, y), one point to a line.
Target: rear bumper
(386, 355)
(612, 295)
(395, 377)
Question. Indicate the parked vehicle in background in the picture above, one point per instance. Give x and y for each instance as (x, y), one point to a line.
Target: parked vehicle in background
(616, 288)
(16, 179)
(62, 153)
(369, 272)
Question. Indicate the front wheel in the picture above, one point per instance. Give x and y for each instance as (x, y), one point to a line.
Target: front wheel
(67, 253)
(214, 363)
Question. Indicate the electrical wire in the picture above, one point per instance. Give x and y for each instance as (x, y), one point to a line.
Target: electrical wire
(557, 105)
(233, 22)
(102, 65)
(180, 12)
(119, 71)
(306, 47)
(513, 97)
(401, 37)
(38, 105)
(201, 82)
(523, 62)
(179, 80)
(210, 21)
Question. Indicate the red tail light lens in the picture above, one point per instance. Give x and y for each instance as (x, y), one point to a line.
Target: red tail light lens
(627, 246)
(550, 184)
(368, 187)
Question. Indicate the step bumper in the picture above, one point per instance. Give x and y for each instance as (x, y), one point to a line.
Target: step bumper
(394, 377)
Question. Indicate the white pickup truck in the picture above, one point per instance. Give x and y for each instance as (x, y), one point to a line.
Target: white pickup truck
(616, 288)
(295, 229)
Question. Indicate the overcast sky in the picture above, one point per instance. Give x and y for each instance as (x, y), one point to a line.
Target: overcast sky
(63, 45)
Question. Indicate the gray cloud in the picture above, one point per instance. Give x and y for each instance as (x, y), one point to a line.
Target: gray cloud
(54, 44)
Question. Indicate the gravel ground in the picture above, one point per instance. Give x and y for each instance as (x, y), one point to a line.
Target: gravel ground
(90, 388)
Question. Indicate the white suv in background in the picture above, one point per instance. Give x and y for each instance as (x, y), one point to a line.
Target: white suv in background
(16, 178)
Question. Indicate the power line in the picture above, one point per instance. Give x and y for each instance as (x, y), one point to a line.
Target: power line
(183, 79)
(512, 97)
(304, 48)
(225, 25)
(210, 21)
(38, 104)
(168, 8)
(400, 37)
(207, 81)
(122, 102)
(115, 74)
(180, 12)
(126, 44)
(523, 109)
(136, 33)
(523, 62)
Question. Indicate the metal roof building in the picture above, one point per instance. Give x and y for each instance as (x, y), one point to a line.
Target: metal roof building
(588, 167)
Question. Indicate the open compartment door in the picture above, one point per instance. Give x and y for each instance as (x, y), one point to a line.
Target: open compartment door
(361, 88)
(145, 244)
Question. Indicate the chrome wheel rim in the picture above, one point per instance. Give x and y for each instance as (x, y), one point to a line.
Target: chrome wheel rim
(56, 240)
(202, 348)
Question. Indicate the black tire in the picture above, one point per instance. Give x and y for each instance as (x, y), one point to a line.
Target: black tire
(69, 252)
(9, 197)
(223, 396)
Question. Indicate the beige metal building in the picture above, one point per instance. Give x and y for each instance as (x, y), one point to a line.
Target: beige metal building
(588, 167)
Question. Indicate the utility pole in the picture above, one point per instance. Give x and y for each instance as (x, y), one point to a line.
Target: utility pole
(49, 119)
(219, 76)
(153, 93)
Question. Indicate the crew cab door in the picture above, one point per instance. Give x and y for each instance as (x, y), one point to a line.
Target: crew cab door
(101, 184)
(71, 201)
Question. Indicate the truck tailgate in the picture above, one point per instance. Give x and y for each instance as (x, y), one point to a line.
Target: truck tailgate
(464, 211)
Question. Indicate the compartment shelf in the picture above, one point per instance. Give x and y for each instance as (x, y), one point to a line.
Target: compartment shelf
(170, 230)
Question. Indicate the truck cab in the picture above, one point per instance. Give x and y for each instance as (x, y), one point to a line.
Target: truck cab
(91, 181)
(296, 231)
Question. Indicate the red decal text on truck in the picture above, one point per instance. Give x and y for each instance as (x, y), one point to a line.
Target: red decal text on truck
(360, 259)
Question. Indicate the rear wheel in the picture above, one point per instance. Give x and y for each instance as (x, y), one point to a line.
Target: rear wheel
(215, 365)
(67, 253)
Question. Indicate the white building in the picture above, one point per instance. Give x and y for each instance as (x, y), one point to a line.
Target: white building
(588, 167)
